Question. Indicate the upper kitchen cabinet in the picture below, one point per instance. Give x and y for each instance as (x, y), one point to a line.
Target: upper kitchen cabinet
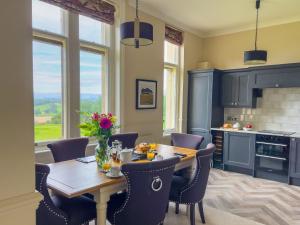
(237, 89)
(279, 76)
(204, 103)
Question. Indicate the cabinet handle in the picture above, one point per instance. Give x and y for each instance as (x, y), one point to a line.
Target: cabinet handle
(277, 85)
(236, 103)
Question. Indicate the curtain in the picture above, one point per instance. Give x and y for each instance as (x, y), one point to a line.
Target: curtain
(97, 9)
(174, 36)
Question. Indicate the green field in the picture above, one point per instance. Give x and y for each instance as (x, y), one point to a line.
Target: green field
(48, 116)
(46, 132)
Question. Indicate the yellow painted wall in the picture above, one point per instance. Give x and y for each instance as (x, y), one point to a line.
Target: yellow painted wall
(148, 63)
(17, 187)
(193, 53)
(16, 120)
(282, 43)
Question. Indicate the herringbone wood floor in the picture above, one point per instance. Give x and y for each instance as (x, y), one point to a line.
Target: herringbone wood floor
(264, 201)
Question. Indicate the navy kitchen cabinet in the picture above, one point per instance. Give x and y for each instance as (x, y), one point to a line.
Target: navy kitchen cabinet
(295, 158)
(239, 150)
(204, 103)
(237, 90)
(279, 76)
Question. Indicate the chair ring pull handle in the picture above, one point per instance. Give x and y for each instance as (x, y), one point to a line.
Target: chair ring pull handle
(155, 182)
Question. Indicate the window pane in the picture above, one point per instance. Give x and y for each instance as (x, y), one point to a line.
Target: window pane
(91, 82)
(47, 78)
(171, 53)
(169, 106)
(92, 30)
(47, 17)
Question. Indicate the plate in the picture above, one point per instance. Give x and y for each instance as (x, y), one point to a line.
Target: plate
(111, 176)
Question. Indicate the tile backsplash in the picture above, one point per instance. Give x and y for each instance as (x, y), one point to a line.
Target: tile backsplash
(278, 109)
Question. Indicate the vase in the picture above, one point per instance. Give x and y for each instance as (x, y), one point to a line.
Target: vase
(101, 153)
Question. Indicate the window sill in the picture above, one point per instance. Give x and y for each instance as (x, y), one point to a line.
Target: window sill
(167, 133)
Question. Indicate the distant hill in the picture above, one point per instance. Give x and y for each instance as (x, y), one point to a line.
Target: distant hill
(49, 104)
(58, 96)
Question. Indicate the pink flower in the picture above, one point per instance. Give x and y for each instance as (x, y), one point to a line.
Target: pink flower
(105, 123)
(110, 114)
(95, 116)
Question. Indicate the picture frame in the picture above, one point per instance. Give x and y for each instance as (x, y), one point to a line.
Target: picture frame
(146, 94)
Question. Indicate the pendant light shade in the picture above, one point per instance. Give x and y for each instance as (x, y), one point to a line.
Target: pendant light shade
(145, 36)
(255, 57)
(136, 33)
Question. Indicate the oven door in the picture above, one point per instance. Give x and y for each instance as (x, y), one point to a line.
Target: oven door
(271, 157)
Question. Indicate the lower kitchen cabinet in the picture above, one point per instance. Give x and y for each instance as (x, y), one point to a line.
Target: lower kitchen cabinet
(239, 151)
(295, 158)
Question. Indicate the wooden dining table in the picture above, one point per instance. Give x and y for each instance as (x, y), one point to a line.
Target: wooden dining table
(73, 178)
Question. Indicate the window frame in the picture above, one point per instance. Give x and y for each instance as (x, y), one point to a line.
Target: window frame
(71, 37)
(55, 39)
(101, 50)
(176, 67)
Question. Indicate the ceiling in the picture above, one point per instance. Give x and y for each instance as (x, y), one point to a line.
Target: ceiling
(216, 17)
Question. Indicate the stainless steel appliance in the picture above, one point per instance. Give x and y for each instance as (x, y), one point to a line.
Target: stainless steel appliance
(275, 132)
(272, 156)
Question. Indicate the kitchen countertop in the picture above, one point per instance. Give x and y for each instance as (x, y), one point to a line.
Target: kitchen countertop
(296, 135)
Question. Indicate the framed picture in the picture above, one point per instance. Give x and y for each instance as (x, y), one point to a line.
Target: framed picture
(146, 94)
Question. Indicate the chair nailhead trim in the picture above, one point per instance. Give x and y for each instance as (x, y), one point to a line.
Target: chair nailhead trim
(47, 206)
(195, 180)
(129, 190)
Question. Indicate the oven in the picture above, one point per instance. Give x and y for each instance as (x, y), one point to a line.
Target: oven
(272, 157)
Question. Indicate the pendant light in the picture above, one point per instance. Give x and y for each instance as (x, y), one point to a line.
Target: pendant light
(136, 33)
(255, 56)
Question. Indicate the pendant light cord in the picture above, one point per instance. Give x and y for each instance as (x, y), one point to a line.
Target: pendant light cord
(256, 29)
(137, 9)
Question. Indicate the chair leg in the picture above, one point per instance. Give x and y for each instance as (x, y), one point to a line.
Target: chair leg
(201, 211)
(192, 214)
(167, 209)
(177, 208)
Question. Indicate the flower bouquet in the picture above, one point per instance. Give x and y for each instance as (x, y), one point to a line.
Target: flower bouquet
(100, 126)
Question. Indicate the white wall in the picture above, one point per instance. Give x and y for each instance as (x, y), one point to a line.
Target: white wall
(16, 130)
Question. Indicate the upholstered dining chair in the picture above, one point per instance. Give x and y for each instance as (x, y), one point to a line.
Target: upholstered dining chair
(146, 199)
(186, 140)
(58, 210)
(191, 192)
(128, 139)
(68, 149)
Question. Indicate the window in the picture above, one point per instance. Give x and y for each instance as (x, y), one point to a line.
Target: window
(171, 70)
(91, 82)
(93, 60)
(169, 109)
(47, 17)
(93, 31)
(55, 109)
(171, 53)
(48, 99)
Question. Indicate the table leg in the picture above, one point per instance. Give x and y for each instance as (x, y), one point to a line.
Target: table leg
(101, 199)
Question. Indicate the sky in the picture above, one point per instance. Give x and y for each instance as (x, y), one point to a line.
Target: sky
(47, 58)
